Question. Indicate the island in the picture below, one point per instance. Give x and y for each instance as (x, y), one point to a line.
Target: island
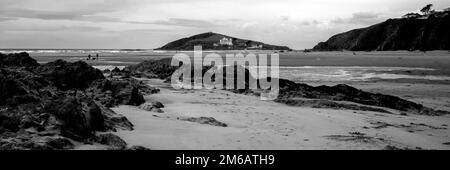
(215, 41)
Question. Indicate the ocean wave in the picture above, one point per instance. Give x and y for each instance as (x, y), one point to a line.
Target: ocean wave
(109, 67)
(78, 51)
(338, 74)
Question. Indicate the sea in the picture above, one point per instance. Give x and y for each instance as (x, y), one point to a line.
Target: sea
(296, 65)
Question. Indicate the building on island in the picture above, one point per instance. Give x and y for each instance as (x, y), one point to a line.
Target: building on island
(226, 41)
(254, 45)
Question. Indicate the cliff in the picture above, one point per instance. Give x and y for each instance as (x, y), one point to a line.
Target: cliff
(420, 33)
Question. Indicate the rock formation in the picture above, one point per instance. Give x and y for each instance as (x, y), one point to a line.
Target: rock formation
(49, 106)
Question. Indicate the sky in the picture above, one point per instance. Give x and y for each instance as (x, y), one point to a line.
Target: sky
(148, 24)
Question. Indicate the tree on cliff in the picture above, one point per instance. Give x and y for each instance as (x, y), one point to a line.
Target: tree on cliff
(426, 10)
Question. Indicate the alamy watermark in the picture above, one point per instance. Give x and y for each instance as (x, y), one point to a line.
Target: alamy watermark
(239, 71)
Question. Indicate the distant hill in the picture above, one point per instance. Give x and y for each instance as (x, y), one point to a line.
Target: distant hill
(409, 33)
(215, 41)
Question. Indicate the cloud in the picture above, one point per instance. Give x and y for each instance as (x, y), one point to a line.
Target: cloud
(184, 22)
(360, 18)
(93, 16)
(55, 28)
(55, 15)
(6, 18)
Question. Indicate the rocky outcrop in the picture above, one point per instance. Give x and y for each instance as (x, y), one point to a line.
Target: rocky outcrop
(20, 86)
(394, 34)
(152, 106)
(52, 105)
(17, 60)
(80, 116)
(290, 90)
(153, 68)
(205, 120)
(113, 92)
(320, 103)
(114, 121)
(115, 142)
(36, 142)
(67, 76)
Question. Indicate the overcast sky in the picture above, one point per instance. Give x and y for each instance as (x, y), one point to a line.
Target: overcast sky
(148, 24)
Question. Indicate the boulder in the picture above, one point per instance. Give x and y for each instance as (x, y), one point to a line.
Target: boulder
(138, 148)
(156, 68)
(136, 97)
(114, 121)
(80, 116)
(291, 90)
(111, 140)
(116, 92)
(58, 142)
(157, 104)
(205, 120)
(152, 106)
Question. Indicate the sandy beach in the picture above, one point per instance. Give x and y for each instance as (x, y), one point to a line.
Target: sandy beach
(255, 124)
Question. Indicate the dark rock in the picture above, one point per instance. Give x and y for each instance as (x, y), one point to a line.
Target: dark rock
(116, 70)
(59, 143)
(28, 121)
(138, 148)
(157, 104)
(205, 120)
(67, 76)
(9, 122)
(111, 140)
(342, 92)
(121, 73)
(117, 91)
(159, 68)
(329, 104)
(80, 116)
(29, 142)
(152, 106)
(19, 86)
(17, 60)
(136, 98)
(115, 121)
(39, 105)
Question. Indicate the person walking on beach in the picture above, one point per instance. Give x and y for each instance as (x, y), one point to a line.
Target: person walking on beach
(89, 57)
(96, 56)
